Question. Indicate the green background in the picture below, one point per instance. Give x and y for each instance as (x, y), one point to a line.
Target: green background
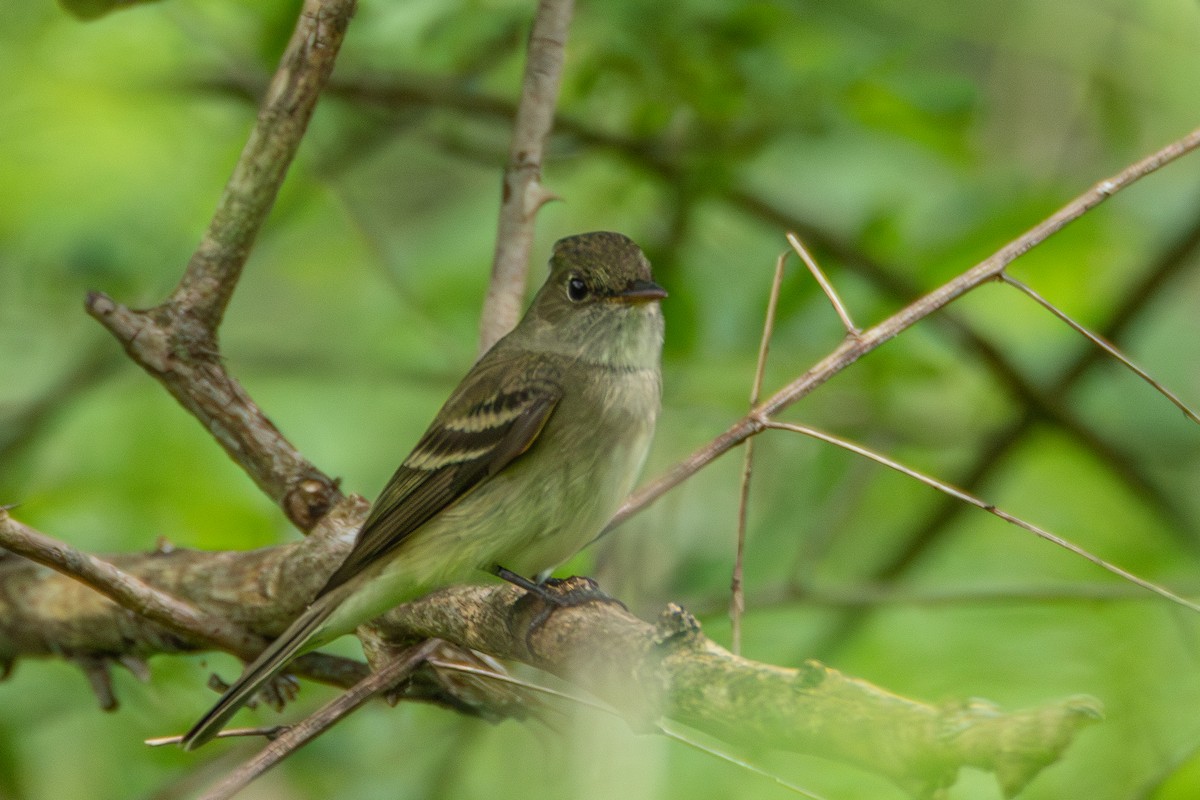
(907, 139)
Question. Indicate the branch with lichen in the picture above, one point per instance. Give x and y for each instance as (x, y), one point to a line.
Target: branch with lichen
(647, 673)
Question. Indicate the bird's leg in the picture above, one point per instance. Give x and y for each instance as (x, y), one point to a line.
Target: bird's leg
(533, 587)
(555, 593)
(562, 592)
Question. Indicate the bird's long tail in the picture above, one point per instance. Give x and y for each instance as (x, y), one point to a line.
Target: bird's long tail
(289, 644)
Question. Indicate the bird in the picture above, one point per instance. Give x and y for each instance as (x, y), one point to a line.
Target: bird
(524, 464)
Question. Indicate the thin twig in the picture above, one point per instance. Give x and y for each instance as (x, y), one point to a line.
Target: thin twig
(683, 739)
(1166, 266)
(340, 707)
(269, 732)
(971, 499)
(1169, 264)
(834, 299)
(1103, 344)
(490, 674)
(737, 603)
(523, 193)
(854, 348)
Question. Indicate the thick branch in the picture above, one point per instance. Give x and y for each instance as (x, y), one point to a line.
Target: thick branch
(127, 590)
(647, 672)
(670, 670)
(192, 371)
(167, 601)
(523, 193)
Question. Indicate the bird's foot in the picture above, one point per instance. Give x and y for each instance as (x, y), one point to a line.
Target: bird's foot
(555, 594)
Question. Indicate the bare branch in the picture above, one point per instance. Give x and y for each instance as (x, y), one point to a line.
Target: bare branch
(182, 600)
(670, 670)
(854, 348)
(971, 499)
(523, 193)
(1101, 343)
(176, 342)
(293, 738)
(737, 602)
(402, 90)
(646, 672)
(194, 375)
(834, 299)
(1050, 403)
(126, 589)
(214, 269)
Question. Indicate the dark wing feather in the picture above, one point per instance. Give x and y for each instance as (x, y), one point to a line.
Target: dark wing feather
(474, 437)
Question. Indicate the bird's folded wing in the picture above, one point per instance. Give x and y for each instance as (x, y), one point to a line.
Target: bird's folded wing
(472, 439)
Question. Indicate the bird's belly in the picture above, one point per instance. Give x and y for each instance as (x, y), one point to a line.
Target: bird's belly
(538, 511)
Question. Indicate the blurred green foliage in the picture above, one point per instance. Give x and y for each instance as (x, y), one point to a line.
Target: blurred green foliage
(906, 139)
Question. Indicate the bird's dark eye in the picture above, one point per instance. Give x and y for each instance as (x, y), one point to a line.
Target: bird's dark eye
(577, 289)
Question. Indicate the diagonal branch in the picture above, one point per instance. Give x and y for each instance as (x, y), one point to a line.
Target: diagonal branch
(992, 455)
(970, 499)
(671, 670)
(296, 736)
(1102, 344)
(47, 615)
(657, 157)
(854, 348)
(213, 271)
(176, 342)
(127, 590)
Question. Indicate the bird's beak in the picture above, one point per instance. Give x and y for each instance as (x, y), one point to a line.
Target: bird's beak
(640, 292)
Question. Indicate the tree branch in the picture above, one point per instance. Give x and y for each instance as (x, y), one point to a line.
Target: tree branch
(646, 672)
(405, 91)
(176, 342)
(670, 670)
(167, 601)
(523, 193)
(213, 271)
(855, 347)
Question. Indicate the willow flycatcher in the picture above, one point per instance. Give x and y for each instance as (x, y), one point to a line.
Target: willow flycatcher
(523, 465)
